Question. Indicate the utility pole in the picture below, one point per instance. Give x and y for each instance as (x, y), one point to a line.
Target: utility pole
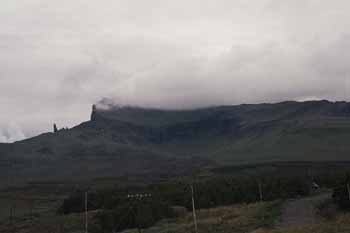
(260, 190)
(348, 186)
(11, 217)
(138, 215)
(194, 211)
(61, 225)
(31, 211)
(86, 212)
(10, 182)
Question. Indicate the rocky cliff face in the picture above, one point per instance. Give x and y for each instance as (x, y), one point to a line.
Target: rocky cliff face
(131, 140)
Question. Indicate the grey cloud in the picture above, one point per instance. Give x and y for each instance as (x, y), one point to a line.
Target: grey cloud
(10, 133)
(57, 58)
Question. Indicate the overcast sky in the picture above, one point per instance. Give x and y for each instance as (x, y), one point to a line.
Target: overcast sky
(58, 57)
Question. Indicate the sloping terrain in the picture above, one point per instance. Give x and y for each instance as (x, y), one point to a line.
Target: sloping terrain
(315, 130)
(152, 142)
(302, 212)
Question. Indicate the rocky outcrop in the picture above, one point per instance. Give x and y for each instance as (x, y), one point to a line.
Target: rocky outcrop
(55, 130)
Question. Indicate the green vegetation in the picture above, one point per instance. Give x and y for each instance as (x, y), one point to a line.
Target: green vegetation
(341, 193)
(270, 214)
(220, 202)
(234, 219)
(341, 224)
(46, 219)
(161, 144)
(209, 193)
(117, 212)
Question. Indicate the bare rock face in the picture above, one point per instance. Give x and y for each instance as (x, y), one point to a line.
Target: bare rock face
(55, 130)
(93, 113)
(96, 113)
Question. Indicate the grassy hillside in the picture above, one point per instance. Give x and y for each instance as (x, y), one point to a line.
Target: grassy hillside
(288, 131)
(162, 143)
(237, 218)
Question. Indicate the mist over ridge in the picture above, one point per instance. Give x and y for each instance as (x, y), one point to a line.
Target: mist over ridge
(186, 54)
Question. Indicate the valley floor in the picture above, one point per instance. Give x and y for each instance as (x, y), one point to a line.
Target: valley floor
(292, 216)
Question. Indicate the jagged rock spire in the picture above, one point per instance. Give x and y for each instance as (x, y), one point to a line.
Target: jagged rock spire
(55, 130)
(93, 113)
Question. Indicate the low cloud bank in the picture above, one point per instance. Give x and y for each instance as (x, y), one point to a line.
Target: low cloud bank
(56, 63)
(11, 133)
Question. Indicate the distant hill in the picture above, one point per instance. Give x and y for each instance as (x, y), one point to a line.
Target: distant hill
(158, 143)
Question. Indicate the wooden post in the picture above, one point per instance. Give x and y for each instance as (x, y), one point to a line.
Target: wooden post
(194, 211)
(86, 212)
(32, 204)
(138, 215)
(62, 225)
(260, 191)
(11, 215)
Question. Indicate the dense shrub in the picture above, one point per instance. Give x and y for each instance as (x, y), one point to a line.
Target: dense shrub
(141, 213)
(341, 194)
(119, 212)
(75, 203)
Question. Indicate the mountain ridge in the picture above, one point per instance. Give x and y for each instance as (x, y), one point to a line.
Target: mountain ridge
(134, 140)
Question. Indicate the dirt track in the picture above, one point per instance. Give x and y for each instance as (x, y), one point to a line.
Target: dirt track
(300, 212)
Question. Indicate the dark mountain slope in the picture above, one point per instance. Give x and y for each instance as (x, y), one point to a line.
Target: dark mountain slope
(129, 140)
(314, 130)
